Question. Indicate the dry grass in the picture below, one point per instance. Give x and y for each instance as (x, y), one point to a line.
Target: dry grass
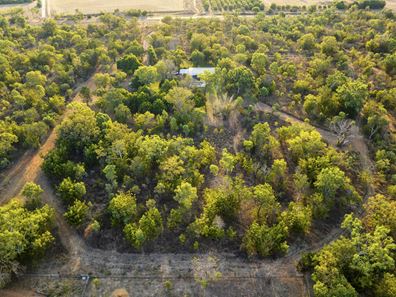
(97, 6)
(391, 4)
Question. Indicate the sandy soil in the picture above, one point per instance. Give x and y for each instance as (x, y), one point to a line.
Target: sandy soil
(97, 6)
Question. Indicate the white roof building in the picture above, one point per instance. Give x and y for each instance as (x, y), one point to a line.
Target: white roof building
(196, 71)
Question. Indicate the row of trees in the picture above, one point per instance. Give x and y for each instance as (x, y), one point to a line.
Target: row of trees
(232, 5)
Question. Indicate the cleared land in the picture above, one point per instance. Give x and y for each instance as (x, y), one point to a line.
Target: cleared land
(19, 5)
(96, 6)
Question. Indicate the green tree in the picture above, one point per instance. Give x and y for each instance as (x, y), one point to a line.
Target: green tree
(259, 62)
(198, 58)
(32, 192)
(374, 116)
(330, 180)
(70, 191)
(352, 96)
(307, 42)
(390, 64)
(380, 211)
(129, 63)
(186, 194)
(147, 75)
(240, 81)
(264, 241)
(148, 228)
(298, 218)
(329, 45)
(387, 286)
(79, 129)
(23, 234)
(268, 206)
(122, 208)
(77, 213)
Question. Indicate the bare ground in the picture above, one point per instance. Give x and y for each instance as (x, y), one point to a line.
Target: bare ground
(97, 6)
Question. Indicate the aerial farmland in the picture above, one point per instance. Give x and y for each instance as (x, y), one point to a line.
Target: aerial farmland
(208, 148)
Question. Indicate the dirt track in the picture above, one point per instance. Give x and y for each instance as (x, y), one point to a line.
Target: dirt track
(28, 167)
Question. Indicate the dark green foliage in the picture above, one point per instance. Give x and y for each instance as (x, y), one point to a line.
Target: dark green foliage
(129, 63)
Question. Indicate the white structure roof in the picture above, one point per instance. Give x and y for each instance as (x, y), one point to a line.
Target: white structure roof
(195, 71)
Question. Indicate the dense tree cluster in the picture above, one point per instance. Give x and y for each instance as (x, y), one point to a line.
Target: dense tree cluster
(364, 259)
(41, 66)
(24, 234)
(158, 157)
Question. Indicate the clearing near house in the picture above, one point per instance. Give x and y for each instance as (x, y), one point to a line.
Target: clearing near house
(97, 6)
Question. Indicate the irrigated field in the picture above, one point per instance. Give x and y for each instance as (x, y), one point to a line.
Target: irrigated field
(97, 6)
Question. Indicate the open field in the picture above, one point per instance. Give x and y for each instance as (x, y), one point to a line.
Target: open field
(24, 6)
(267, 3)
(96, 6)
(391, 4)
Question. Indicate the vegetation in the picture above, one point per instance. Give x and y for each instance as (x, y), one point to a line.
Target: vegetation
(361, 261)
(262, 154)
(24, 236)
(149, 149)
(40, 67)
(233, 5)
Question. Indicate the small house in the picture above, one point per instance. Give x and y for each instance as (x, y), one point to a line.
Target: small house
(195, 72)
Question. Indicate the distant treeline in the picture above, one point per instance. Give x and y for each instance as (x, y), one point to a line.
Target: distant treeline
(15, 1)
(362, 4)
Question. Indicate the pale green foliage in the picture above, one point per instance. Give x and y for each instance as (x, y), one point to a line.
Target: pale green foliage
(79, 129)
(298, 218)
(77, 213)
(380, 211)
(263, 240)
(330, 180)
(69, 190)
(22, 233)
(147, 75)
(32, 190)
(122, 208)
(180, 98)
(185, 195)
(259, 62)
(359, 260)
(387, 286)
(227, 161)
(148, 228)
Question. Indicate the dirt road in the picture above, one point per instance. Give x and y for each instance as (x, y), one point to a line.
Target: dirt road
(28, 167)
